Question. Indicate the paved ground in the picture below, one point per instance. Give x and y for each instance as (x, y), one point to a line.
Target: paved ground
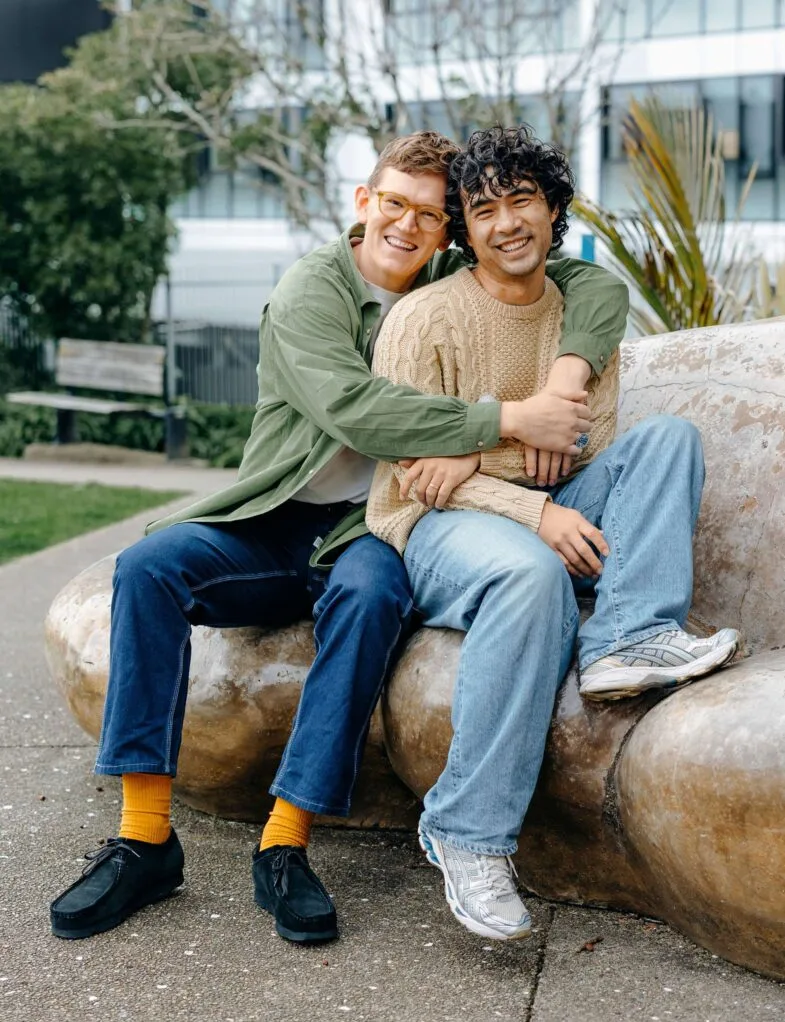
(208, 955)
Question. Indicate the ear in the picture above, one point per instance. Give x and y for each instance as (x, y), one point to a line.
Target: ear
(554, 213)
(444, 244)
(362, 197)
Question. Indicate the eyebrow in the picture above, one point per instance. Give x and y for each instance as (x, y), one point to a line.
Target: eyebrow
(521, 189)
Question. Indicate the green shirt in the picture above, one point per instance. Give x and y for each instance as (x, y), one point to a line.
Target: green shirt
(317, 394)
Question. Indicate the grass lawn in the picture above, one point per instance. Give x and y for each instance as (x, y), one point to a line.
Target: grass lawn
(36, 515)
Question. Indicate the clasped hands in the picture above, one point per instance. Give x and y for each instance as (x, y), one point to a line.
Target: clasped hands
(548, 425)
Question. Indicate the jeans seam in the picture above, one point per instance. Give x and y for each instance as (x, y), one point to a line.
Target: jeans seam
(570, 625)
(359, 744)
(309, 804)
(436, 575)
(117, 769)
(469, 846)
(176, 696)
(289, 573)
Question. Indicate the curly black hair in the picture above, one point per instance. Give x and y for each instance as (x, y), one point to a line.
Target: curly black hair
(514, 155)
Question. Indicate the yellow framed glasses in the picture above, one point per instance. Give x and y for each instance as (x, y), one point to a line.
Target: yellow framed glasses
(428, 218)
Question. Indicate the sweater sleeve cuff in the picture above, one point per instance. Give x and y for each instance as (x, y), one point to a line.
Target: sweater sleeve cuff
(587, 347)
(503, 462)
(481, 431)
(532, 506)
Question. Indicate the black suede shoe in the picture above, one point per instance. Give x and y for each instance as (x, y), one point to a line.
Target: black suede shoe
(287, 887)
(120, 878)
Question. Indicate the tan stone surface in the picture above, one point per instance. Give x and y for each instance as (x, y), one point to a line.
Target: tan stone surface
(243, 692)
(671, 807)
(730, 382)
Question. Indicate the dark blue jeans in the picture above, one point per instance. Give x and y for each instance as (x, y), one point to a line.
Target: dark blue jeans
(254, 572)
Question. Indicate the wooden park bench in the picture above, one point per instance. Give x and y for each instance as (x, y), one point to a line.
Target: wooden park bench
(113, 367)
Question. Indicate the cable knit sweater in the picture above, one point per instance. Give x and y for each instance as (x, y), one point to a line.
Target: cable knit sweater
(454, 338)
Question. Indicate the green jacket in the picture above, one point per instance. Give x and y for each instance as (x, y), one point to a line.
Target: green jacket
(317, 394)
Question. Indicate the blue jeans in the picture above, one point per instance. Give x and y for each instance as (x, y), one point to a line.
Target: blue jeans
(501, 584)
(254, 572)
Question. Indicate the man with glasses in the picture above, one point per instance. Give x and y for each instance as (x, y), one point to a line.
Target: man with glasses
(288, 539)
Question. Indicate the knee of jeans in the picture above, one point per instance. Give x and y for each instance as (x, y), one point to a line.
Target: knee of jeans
(540, 572)
(145, 558)
(670, 432)
(372, 573)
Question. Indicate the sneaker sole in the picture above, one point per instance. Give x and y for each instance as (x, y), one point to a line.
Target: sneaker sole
(299, 936)
(159, 893)
(606, 686)
(463, 917)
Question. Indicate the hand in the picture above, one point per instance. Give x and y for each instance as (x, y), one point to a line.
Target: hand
(544, 466)
(568, 374)
(434, 479)
(547, 421)
(566, 532)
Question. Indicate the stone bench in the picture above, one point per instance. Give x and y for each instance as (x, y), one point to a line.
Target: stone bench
(670, 807)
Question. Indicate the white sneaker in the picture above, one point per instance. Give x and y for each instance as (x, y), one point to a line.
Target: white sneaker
(480, 890)
(664, 660)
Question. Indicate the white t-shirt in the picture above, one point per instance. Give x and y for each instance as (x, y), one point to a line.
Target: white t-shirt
(348, 475)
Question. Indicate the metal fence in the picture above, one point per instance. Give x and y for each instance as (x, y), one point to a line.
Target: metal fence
(26, 361)
(214, 364)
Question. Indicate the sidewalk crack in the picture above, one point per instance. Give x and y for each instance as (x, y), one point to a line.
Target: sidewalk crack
(540, 964)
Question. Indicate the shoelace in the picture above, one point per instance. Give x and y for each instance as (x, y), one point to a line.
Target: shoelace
(498, 877)
(281, 864)
(102, 854)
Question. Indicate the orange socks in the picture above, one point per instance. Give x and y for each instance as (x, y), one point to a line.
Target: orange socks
(287, 825)
(147, 800)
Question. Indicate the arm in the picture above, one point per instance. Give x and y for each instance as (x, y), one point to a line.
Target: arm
(308, 355)
(412, 356)
(596, 303)
(493, 496)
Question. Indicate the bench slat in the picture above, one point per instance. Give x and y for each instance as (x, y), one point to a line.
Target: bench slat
(77, 404)
(111, 365)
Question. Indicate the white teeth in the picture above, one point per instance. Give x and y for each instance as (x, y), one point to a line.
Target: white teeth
(402, 245)
(514, 246)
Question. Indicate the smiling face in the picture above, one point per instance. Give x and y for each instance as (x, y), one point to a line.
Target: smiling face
(393, 252)
(511, 235)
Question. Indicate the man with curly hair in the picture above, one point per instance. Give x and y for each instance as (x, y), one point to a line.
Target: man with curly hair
(288, 540)
(518, 540)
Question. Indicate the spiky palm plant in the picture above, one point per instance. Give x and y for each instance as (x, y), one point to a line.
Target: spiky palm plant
(686, 265)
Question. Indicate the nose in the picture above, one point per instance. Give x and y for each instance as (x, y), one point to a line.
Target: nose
(408, 222)
(508, 219)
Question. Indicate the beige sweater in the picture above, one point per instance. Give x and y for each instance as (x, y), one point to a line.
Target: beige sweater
(453, 338)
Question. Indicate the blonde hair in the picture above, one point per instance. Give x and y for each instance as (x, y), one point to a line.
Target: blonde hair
(424, 152)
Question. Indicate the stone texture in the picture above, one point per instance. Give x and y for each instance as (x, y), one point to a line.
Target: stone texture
(670, 807)
(730, 382)
(243, 692)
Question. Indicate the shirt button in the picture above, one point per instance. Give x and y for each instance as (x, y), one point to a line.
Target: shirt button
(368, 330)
(480, 443)
(602, 358)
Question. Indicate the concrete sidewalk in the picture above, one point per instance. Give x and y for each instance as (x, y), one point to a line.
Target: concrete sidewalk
(209, 955)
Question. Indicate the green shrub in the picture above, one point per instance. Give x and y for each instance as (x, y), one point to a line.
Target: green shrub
(216, 433)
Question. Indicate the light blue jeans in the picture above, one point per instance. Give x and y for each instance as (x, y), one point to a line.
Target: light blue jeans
(497, 581)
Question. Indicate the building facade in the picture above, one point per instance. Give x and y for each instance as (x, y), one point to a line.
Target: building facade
(571, 65)
(728, 55)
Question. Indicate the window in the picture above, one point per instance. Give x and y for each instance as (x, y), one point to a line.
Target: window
(420, 30)
(722, 15)
(747, 113)
(675, 17)
(759, 13)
